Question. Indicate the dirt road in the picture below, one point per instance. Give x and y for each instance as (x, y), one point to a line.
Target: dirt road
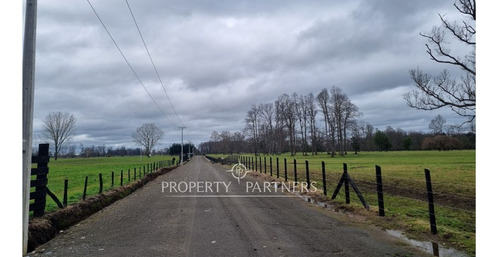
(217, 218)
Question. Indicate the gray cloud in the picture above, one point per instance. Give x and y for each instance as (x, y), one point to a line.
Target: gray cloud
(217, 58)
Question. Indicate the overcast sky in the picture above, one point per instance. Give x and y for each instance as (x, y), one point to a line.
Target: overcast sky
(217, 58)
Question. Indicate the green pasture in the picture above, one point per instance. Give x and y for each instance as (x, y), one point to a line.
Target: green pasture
(453, 180)
(76, 169)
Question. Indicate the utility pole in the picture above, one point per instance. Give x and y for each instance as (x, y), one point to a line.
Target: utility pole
(182, 144)
(29, 49)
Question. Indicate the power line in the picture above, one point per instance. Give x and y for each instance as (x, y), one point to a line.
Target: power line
(152, 62)
(128, 63)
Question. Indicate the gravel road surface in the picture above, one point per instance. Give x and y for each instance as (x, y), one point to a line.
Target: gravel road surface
(157, 221)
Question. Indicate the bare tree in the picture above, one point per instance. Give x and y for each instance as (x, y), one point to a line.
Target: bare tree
(437, 124)
(147, 136)
(59, 128)
(267, 113)
(350, 112)
(252, 126)
(301, 112)
(323, 99)
(443, 90)
(338, 101)
(311, 117)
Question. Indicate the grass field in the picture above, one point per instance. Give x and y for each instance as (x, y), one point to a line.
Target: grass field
(76, 169)
(405, 195)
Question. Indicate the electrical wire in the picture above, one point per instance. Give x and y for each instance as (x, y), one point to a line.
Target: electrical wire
(152, 62)
(128, 63)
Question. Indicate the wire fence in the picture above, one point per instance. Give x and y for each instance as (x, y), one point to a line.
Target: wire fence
(414, 200)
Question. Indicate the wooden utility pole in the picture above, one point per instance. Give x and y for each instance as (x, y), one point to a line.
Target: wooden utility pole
(28, 91)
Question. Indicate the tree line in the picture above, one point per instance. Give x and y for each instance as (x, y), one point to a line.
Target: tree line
(326, 122)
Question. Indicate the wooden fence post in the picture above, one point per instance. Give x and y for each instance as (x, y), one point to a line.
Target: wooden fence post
(40, 184)
(100, 183)
(135, 174)
(380, 194)
(323, 171)
(112, 179)
(65, 193)
(295, 170)
(430, 198)
(121, 178)
(286, 168)
(346, 184)
(265, 165)
(307, 175)
(85, 187)
(271, 166)
(277, 167)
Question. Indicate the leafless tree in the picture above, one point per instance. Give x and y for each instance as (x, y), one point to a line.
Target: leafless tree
(267, 113)
(338, 101)
(323, 99)
(286, 107)
(59, 128)
(279, 126)
(147, 136)
(434, 92)
(252, 126)
(311, 115)
(350, 113)
(437, 124)
(301, 112)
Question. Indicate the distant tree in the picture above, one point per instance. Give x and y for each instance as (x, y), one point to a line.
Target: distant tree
(437, 125)
(407, 143)
(252, 126)
(59, 128)
(323, 99)
(443, 90)
(147, 136)
(382, 141)
(441, 143)
(356, 144)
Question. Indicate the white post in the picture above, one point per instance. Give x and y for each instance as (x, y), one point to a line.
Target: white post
(29, 49)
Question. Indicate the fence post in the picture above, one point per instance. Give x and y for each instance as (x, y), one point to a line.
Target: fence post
(380, 194)
(253, 163)
(129, 175)
(40, 184)
(286, 174)
(307, 175)
(65, 194)
(260, 164)
(323, 171)
(277, 167)
(100, 183)
(112, 179)
(85, 187)
(295, 169)
(430, 198)
(121, 178)
(271, 166)
(265, 165)
(346, 184)
(135, 174)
